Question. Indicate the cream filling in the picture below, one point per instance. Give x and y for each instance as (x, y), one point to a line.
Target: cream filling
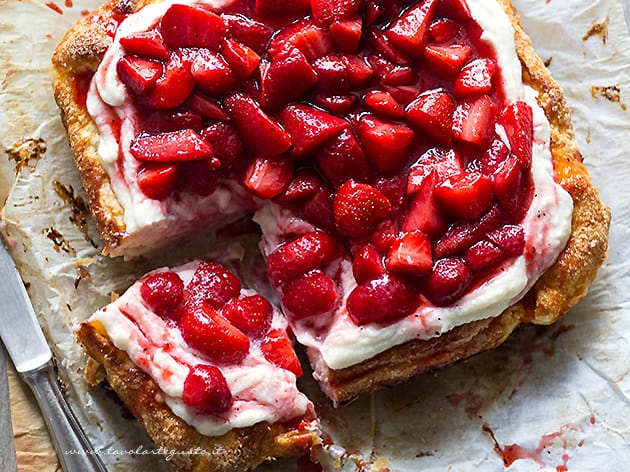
(261, 391)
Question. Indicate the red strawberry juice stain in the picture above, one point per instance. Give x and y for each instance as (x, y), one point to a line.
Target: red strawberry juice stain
(54, 7)
(85, 12)
(69, 4)
(470, 402)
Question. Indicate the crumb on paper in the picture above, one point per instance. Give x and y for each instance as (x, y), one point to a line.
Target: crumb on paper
(59, 241)
(79, 216)
(26, 151)
(547, 62)
(612, 93)
(598, 29)
(82, 274)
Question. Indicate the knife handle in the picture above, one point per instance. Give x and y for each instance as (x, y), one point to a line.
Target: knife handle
(73, 448)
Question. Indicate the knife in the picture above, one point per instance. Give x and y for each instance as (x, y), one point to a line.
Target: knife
(34, 362)
(7, 447)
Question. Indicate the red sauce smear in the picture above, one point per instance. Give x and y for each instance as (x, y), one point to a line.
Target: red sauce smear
(54, 7)
(69, 3)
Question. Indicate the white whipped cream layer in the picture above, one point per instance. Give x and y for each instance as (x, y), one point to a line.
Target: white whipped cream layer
(261, 391)
(547, 226)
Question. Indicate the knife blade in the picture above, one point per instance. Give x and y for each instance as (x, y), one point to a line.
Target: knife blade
(8, 461)
(33, 359)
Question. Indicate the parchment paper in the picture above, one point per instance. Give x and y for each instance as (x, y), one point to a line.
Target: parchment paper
(554, 398)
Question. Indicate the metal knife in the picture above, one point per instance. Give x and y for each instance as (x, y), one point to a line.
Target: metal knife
(7, 447)
(33, 360)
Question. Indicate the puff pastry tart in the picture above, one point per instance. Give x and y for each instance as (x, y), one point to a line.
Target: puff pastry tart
(412, 165)
(206, 366)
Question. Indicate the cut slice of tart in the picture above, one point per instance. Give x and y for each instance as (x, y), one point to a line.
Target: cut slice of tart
(205, 365)
(412, 165)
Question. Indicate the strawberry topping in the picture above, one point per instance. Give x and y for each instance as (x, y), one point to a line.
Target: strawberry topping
(206, 389)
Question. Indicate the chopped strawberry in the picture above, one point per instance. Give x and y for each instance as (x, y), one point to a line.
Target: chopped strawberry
(225, 141)
(493, 157)
(448, 281)
(310, 39)
(148, 44)
(212, 284)
(367, 264)
(261, 133)
(185, 26)
(423, 213)
(307, 252)
(483, 255)
(206, 389)
(327, 11)
(157, 181)
(384, 236)
(198, 177)
(176, 146)
(250, 314)
(517, 120)
(381, 300)
(474, 120)
(461, 236)
(175, 84)
(342, 159)
(509, 238)
(359, 208)
(410, 32)
(138, 74)
(384, 48)
(346, 34)
(359, 71)
(403, 94)
(309, 128)
(475, 77)
(390, 73)
(212, 73)
(304, 185)
(163, 292)
(447, 60)
(212, 335)
(383, 104)
(445, 163)
(267, 177)
(271, 8)
(410, 254)
(443, 30)
(205, 106)
(310, 294)
(249, 32)
(393, 187)
(456, 9)
(385, 143)
(339, 104)
(242, 59)
(467, 195)
(508, 184)
(318, 210)
(288, 77)
(278, 349)
(432, 113)
(332, 73)
(164, 121)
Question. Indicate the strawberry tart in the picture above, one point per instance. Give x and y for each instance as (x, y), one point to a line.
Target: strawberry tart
(411, 165)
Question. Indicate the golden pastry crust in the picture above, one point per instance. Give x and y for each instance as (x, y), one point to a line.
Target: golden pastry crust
(238, 450)
(559, 289)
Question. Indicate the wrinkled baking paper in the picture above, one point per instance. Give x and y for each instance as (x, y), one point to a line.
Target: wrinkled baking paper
(555, 398)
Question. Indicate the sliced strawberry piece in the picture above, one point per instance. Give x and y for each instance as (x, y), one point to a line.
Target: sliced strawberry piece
(319, 210)
(199, 177)
(432, 113)
(304, 185)
(163, 292)
(157, 181)
(443, 30)
(309, 128)
(456, 9)
(149, 44)
(339, 104)
(383, 105)
(343, 159)
(261, 133)
(249, 32)
(205, 106)
(138, 74)
(212, 284)
(448, 281)
(381, 300)
(445, 163)
(461, 236)
(164, 121)
(390, 73)
(212, 72)
(359, 71)
(310, 39)
(509, 238)
(176, 146)
(367, 264)
(403, 94)
(278, 349)
(483, 255)
(359, 208)
(423, 213)
(493, 157)
(386, 143)
(474, 120)
(174, 86)
(411, 254)
(185, 26)
(384, 236)
(332, 74)
(467, 195)
(410, 32)
(475, 77)
(206, 389)
(393, 188)
(517, 120)
(267, 177)
(508, 184)
(447, 60)
(310, 294)
(250, 314)
(212, 335)
(346, 34)
(242, 59)
(327, 11)
(271, 8)
(307, 252)
(225, 141)
(289, 76)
